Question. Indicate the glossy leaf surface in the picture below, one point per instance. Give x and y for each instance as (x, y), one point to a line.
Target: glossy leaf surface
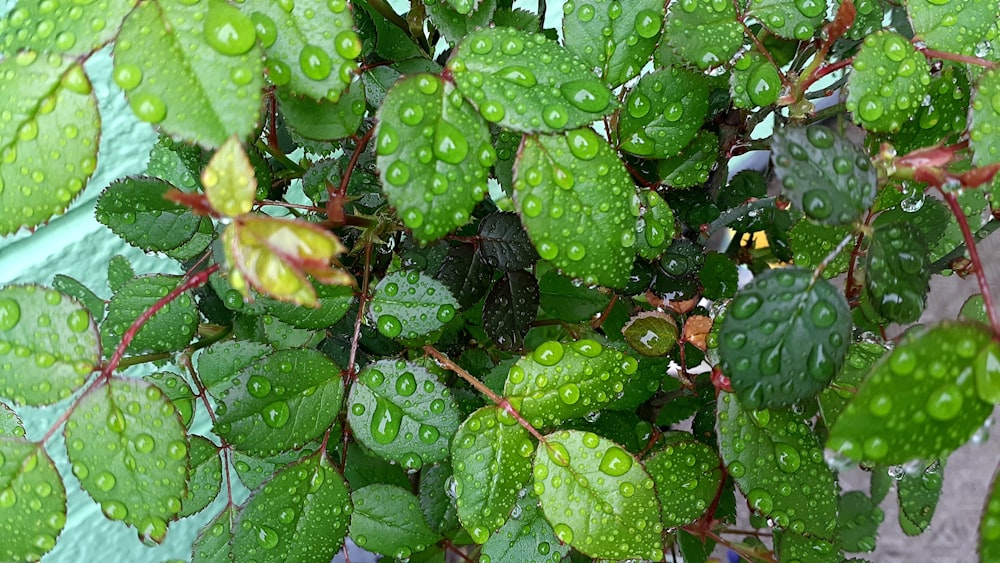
(136, 210)
(408, 300)
(32, 500)
(617, 38)
(504, 244)
(703, 33)
(889, 81)
(798, 19)
(897, 271)
(61, 27)
(229, 181)
(526, 537)
(206, 476)
(510, 308)
(919, 494)
(387, 520)
(858, 521)
(688, 475)
(656, 226)
(663, 112)
(985, 119)
(956, 26)
(813, 242)
(169, 330)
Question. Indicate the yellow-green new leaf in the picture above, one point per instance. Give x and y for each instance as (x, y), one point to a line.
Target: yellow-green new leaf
(229, 181)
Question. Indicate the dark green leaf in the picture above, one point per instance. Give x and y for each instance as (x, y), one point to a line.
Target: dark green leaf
(719, 276)
(784, 337)
(989, 526)
(388, 520)
(334, 301)
(177, 391)
(954, 28)
(704, 33)
(70, 286)
(169, 330)
(868, 18)
(129, 450)
(924, 387)
(663, 112)
(897, 271)
(568, 301)
(206, 476)
(549, 88)
(861, 356)
(889, 82)
(437, 500)
(221, 361)
(465, 272)
(754, 81)
(823, 174)
(135, 209)
(407, 300)
(454, 24)
(881, 483)
(597, 496)
(688, 475)
(655, 228)
(918, 497)
(693, 164)
(32, 500)
(944, 118)
(322, 119)
(255, 471)
(510, 308)
(503, 243)
(48, 345)
(985, 118)
(813, 242)
(526, 537)
(929, 216)
(790, 546)
(279, 402)
(798, 19)
(615, 38)
(858, 521)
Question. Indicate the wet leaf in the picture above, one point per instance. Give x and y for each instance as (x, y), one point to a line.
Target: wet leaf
(550, 88)
(432, 180)
(324, 120)
(754, 81)
(663, 112)
(692, 166)
(526, 537)
(704, 33)
(598, 497)
(206, 83)
(48, 345)
(218, 363)
(944, 118)
(719, 276)
(790, 546)
(408, 300)
(823, 173)
(954, 26)
(135, 210)
(777, 461)
(333, 303)
(229, 181)
(568, 301)
(925, 387)
(53, 119)
(363, 469)
(812, 242)
(32, 500)
(176, 389)
(784, 337)
(215, 542)
(861, 356)
(888, 84)
(466, 274)
(791, 19)
(560, 381)
(255, 471)
(169, 330)
(688, 475)
(510, 309)
(651, 333)
(455, 20)
(279, 402)
(10, 424)
(985, 119)
(918, 497)
(206, 476)
(616, 38)
(989, 525)
(437, 502)
(578, 175)
(504, 244)
(656, 226)
(62, 27)
(120, 271)
(858, 521)
(74, 288)
(897, 271)
(401, 412)
(387, 520)
(491, 456)
(129, 450)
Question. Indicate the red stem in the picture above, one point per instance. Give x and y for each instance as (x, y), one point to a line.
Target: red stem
(977, 264)
(342, 191)
(362, 301)
(958, 58)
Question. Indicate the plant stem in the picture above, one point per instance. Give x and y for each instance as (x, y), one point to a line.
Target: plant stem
(944, 262)
(342, 190)
(977, 264)
(966, 59)
(732, 215)
(280, 157)
(362, 301)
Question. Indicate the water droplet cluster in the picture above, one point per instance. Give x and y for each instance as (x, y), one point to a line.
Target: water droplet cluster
(613, 36)
(663, 112)
(897, 271)
(170, 329)
(377, 509)
(800, 23)
(32, 501)
(955, 26)
(417, 303)
(985, 119)
(687, 474)
(58, 26)
(704, 33)
(889, 82)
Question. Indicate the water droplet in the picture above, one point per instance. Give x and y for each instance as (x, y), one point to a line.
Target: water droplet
(144, 443)
(880, 404)
(558, 453)
(616, 462)
(276, 414)
(587, 95)
(787, 457)
(564, 533)
(386, 421)
(148, 107)
(450, 144)
(760, 501)
(406, 384)
(258, 386)
(548, 353)
(647, 23)
(105, 481)
(267, 537)
(10, 313)
(116, 420)
(315, 62)
(227, 30)
(810, 8)
(870, 108)
(583, 143)
(348, 44)
(428, 434)
(518, 75)
(569, 393)
(114, 510)
(744, 306)
(945, 402)
(763, 85)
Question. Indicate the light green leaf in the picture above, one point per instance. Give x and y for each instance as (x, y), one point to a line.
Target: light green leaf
(578, 175)
(989, 526)
(526, 537)
(311, 45)
(387, 520)
(956, 26)
(889, 82)
(299, 516)
(688, 475)
(206, 476)
(400, 411)
(204, 85)
(323, 120)
(177, 390)
(48, 144)
(925, 387)
(74, 288)
(823, 173)
(32, 500)
(655, 228)
(418, 303)
(791, 19)
(255, 471)
(48, 345)
(704, 33)
(10, 424)
(215, 541)
(918, 497)
(526, 82)
(812, 242)
(70, 28)
(491, 457)
(279, 402)
(860, 358)
(790, 546)
(560, 381)
(134, 209)
(597, 496)
(218, 363)
(663, 112)
(120, 271)
(784, 337)
(432, 181)
(129, 450)
(777, 461)
(617, 38)
(169, 330)
(985, 119)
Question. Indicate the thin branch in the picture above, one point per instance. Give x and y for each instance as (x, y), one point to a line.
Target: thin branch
(362, 301)
(736, 213)
(977, 264)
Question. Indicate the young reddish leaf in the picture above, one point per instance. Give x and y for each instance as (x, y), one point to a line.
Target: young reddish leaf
(32, 500)
(229, 180)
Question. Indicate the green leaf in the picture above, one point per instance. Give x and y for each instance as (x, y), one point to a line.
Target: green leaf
(10, 424)
(651, 333)
(918, 497)
(74, 288)
(560, 381)
(889, 82)
(777, 461)
(437, 502)
(218, 363)
(363, 469)
(924, 387)
(120, 271)
(693, 164)
(858, 519)
(597, 496)
(129, 450)
(791, 19)
(790, 546)
(663, 112)
(656, 227)
(784, 337)
(49, 142)
(823, 173)
(334, 302)
(400, 411)
(868, 18)
(69, 28)
(526, 537)
(754, 81)
(311, 56)
(987, 370)
(989, 526)
(897, 271)
(860, 358)
(812, 242)
(206, 476)
(432, 181)
(491, 458)
(301, 515)
(931, 219)
(688, 475)
(387, 520)
(135, 210)
(954, 27)
(255, 471)
(504, 244)
(568, 301)
(279, 402)
(48, 345)
(454, 23)
(206, 80)
(719, 276)
(169, 330)
(32, 500)
(418, 303)
(704, 33)
(323, 120)
(616, 38)
(510, 308)
(526, 82)
(578, 175)
(944, 118)
(215, 541)
(985, 119)
(177, 391)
